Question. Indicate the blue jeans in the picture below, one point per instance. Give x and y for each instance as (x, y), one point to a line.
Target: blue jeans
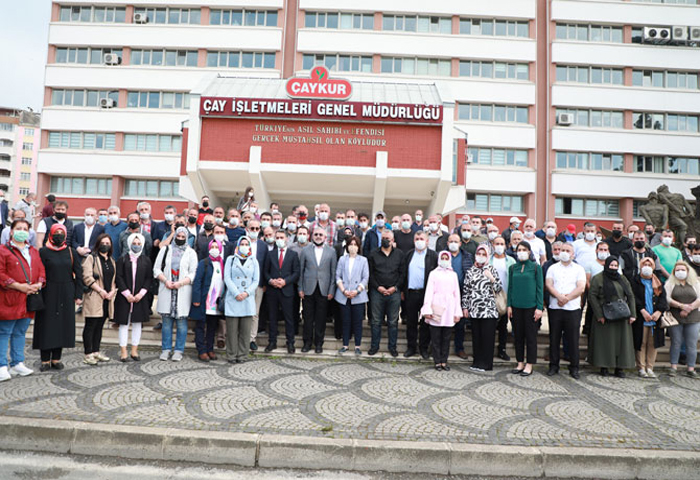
(13, 332)
(167, 332)
(383, 305)
(686, 333)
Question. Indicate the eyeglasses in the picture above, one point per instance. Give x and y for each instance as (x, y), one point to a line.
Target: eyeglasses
(318, 234)
(254, 229)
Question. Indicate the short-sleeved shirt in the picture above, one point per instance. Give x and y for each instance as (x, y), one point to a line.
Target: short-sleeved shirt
(585, 253)
(538, 248)
(565, 278)
(668, 256)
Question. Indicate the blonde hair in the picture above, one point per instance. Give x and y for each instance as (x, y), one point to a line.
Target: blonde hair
(691, 279)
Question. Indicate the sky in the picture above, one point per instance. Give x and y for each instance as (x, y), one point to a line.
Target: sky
(24, 27)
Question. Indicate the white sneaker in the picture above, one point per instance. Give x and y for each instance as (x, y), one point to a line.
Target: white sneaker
(100, 357)
(4, 374)
(165, 355)
(21, 370)
(643, 373)
(650, 373)
(90, 360)
(177, 356)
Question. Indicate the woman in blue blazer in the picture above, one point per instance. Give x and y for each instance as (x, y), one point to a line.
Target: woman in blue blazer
(241, 275)
(207, 289)
(352, 277)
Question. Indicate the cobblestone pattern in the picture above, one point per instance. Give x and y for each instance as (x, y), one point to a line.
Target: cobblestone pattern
(366, 400)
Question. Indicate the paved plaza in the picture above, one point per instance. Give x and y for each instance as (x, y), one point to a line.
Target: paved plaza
(380, 400)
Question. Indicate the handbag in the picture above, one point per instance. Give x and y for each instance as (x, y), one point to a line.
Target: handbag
(501, 302)
(221, 301)
(35, 301)
(617, 310)
(667, 320)
(438, 311)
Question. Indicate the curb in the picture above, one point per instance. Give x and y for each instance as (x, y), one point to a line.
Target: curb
(278, 451)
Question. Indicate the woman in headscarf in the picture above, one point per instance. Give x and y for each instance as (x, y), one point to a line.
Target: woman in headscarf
(683, 296)
(241, 275)
(207, 290)
(441, 308)
(610, 342)
(134, 278)
(54, 326)
(175, 269)
(481, 284)
(650, 299)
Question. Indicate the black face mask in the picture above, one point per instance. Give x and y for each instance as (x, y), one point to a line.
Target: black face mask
(208, 226)
(650, 233)
(691, 247)
(205, 204)
(58, 239)
(386, 243)
(103, 248)
(133, 225)
(616, 234)
(180, 241)
(639, 244)
(192, 220)
(178, 225)
(59, 215)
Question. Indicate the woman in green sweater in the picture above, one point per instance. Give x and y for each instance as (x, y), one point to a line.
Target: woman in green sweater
(525, 304)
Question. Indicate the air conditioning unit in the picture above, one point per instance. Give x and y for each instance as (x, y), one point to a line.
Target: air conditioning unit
(470, 158)
(112, 59)
(107, 103)
(679, 34)
(565, 119)
(694, 34)
(140, 18)
(656, 35)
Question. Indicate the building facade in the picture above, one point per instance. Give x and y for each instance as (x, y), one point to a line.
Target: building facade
(19, 147)
(572, 109)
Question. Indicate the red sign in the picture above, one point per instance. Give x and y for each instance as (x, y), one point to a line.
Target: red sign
(319, 86)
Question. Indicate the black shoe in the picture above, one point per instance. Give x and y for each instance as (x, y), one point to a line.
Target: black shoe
(45, 367)
(682, 359)
(438, 367)
(290, 348)
(424, 355)
(515, 371)
(526, 374)
(553, 370)
(241, 360)
(446, 368)
(80, 309)
(135, 358)
(503, 355)
(393, 352)
(372, 351)
(319, 349)
(619, 373)
(57, 365)
(123, 359)
(410, 352)
(604, 372)
(253, 346)
(270, 347)
(158, 326)
(574, 373)
(306, 348)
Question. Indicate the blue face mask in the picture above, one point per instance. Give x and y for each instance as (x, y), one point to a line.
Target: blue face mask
(102, 219)
(136, 248)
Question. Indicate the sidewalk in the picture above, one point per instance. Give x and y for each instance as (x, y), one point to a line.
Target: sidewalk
(357, 414)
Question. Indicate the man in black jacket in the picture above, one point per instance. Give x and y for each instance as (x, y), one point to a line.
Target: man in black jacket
(630, 258)
(617, 241)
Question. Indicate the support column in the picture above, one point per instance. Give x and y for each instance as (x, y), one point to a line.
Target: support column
(256, 179)
(380, 178)
(117, 192)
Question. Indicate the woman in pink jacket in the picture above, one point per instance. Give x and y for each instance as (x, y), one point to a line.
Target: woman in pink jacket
(442, 308)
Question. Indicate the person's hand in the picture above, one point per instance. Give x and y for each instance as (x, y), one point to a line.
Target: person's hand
(196, 304)
(562, 300)
(465, 312)
(78, 301)
(381, 290)
(510, 312)
(24, 288)
(456, 320)
(403, 297)
(632, 319)
(489, 275)
(130, 298)
(301, 294)
(538, 314)
(330, 296)
(137, 298)
(684, 314)
(655, 317)
(169, 285)
(602, 320)
(281, 282)
(428, 316)
(240, 297)
(177, 285)
(104, 294)
(687, 308)
(646, 316)
(353, 294)
(83, 251)
(391, 290)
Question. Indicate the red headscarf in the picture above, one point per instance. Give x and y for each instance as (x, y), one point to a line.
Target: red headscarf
(55, 228)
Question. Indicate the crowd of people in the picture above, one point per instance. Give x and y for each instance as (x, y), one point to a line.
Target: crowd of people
(237, 273)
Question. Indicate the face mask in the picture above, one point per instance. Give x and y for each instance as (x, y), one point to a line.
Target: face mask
(631, 235)
(480, 259)
(492, 236)
(89, 221)
(426, 229)
(270, 240)
(208, 226)
(301, 238)
(364, 225)
(516, 226)
(244, 250)
(529, 234)
(681, 274)
(616, 234)
(453, 247)
(276, 223)
(380, 223)
(169, 217)
(145, 216)
(523, 256)
(323, 216)
(466, 234)
(219, 220)
(233, 222)
(214, 252)
(445, 263)
(599, 238)
(696, 258)
(395, 226)
(465, 222)
(420, 245)
(102, 219)
(292, 227)
(405, 225)
(264, 224)
(564, 257)
(253, 210)
(352, 249)
(433, 227)
(639, 244)
(556, 257)
(191, 220)
(281, 243)
(220, 238)
(103, 248)
(340, 222)
(476, 228)
(349, 222)
(254, 235)
(318, 242)
(419, 218)
(205, 204)
(20, 236)
(59, 215)
(133, 224)
(590, 236)
(250, 194)
(180, 241)
(275, 211)
(691, 247)
(386, 243)
(602, 256)
(114, 218)
(136, 248)
(499, 249)
(647, 271)
(551, 232)
(666, 241)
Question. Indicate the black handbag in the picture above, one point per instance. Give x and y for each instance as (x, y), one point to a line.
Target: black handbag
(35, 301)
(617, 310)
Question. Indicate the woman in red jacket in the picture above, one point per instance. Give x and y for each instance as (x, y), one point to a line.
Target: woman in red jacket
(21, 273)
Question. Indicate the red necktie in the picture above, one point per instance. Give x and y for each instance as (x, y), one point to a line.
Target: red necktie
(281, 257)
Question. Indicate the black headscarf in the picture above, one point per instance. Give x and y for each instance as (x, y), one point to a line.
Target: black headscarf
(609, 276)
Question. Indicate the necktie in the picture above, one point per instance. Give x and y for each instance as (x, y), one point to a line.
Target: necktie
(281, 257)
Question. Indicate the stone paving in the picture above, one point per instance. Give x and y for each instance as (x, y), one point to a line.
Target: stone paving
(348, 398)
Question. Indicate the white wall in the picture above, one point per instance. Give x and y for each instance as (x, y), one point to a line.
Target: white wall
(626, 98)
(112, 120)
(625, 13)
(592, 184)
(625, 55)
(492, 8)
(492, 135)
(485, 179)
(92, 163)
(625, 141)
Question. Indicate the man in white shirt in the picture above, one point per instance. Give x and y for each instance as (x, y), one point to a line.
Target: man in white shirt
(566, 282)
(584, 248)
(536, 244)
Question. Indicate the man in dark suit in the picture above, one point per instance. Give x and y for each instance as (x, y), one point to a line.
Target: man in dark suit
(85, 234)
(419, 263)
(4, 210)
(281, 272)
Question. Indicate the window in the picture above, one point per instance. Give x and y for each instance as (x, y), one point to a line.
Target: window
(665, 79)
(27, 146)
(249, 18)
(417, 66)
(588, 207)
(339, 63)
(420, 24)
(92, 14)
(92, 56)
(171, 16)
(82, 186)
(500, 70)
(26, 161)
(82, 98)
(483, 202)
(82, 140)
(7, 127)
(589, 33)
(170, 58)
(151, 188)
(241, 59)
(594, 75)
(498, 156)
(683, 166)
(25, 176)
(497, 27)
(152, 142)
(590, 161)
(344, 21)
(493, 113)
(665, 121)
(176, 100)
(6, 143)
(595, 118)
(29, 131)
(23, 191)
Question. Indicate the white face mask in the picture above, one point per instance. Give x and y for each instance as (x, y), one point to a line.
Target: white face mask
(590, 236)
(253, 210)
(114, 218)
(169, 217)
(233, 221)
(214, 252)
(250, 194)
(492, 236)
(244, 250)
(349, 222)
(696, 258)
(556, 257)
(292, 227)
(420, 245)
(631, 235)
(281, 243)
(219, 220)
(481, 259)
(453, 247)
(220, 238)
(419, 218)
(499, 249)
(264, 224)
(444, 263)
(466, 234)
(395, 226)
(667, 241)
(89, 221)
(301, 238)
(405, 225)
(516, 226)
(323, 216)
(647, 271)
(681, 274)
(145, 216)
(379, 223)
(529, 234)
(551, 232)
(364, 225)
(253, 235)
(433, 226)
(523, 256)
(602, 256)
(340, 222)
(276, 223)
(564, 257)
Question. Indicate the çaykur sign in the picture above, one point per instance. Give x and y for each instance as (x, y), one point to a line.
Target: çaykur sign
(320, 86)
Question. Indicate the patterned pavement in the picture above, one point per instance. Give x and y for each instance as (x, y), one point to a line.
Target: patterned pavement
(347, 398)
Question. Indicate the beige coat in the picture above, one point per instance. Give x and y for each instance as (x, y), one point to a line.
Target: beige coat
(92, 301)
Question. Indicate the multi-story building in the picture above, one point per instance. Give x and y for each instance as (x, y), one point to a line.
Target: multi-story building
(573, 109)
(24, 171)
(9, 121)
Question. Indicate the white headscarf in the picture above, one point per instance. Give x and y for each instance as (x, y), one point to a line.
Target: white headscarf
(131, 239)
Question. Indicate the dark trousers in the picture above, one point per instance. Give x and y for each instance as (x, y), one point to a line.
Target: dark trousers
(460, 331)
(264, 313)
(417, 333)
(204, 333)
(385, 306)
(502, 329)
(92, 333)
(53, 354)
(440, 341)
(315, 313)
(334, 310)
(567, 322)
(352, 321)
(276, 301)
(297, 309)
(483, 340)
(525, 334)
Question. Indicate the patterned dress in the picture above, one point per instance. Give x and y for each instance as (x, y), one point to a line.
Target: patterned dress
(478, 293)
